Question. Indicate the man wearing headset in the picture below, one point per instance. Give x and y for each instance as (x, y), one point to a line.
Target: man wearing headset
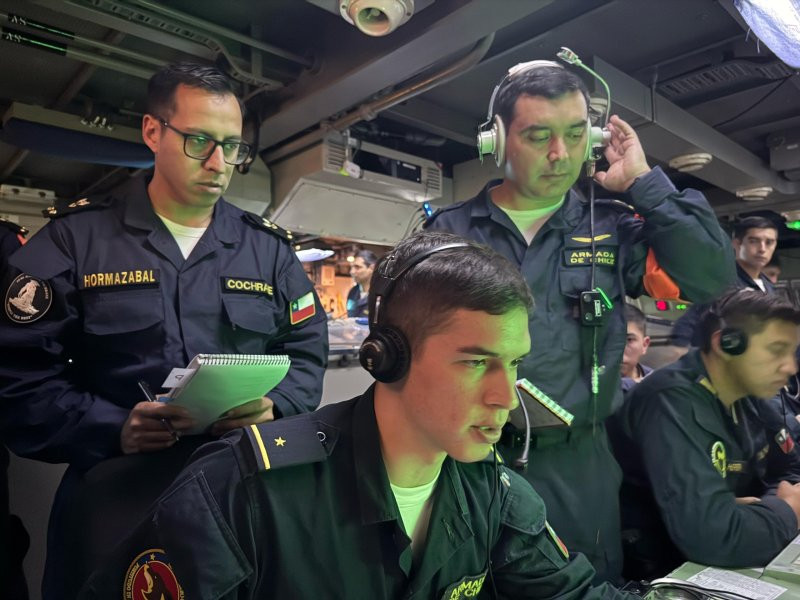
(713, 474)
(535, 218)
(388, 495)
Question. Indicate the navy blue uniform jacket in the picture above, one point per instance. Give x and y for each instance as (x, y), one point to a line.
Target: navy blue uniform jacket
(692, 458)
(680, 227)
(127, 306)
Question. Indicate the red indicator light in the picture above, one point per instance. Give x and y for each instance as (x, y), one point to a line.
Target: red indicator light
(662, 305)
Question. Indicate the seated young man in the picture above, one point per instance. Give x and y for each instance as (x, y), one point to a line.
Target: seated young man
(387, 495)
(636, 345)
(711, 478)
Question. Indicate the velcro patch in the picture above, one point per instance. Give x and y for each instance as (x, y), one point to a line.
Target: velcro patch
(127, 278)
(242, 285)
(28, 299)
(303, 308)
(562, 548)
(151, 576)
(467, 587)
(605, 256)
(784, 440)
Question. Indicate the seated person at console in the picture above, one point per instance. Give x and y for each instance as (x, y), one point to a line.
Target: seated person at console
(712, 475)
(387, 495)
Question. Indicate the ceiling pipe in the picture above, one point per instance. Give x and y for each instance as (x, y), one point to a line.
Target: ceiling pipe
(40, 27)
(369, 110)
(225, 32)
(68, 93)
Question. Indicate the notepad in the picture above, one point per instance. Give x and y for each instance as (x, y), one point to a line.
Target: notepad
(543, 411)
(213, 384)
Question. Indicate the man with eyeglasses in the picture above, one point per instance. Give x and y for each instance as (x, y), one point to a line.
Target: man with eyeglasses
(122, 288)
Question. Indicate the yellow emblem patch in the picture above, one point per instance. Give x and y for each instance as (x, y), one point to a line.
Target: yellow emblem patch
(719, 458)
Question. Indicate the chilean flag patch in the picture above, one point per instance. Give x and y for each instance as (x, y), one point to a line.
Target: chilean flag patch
(302, 309)
(784, 441)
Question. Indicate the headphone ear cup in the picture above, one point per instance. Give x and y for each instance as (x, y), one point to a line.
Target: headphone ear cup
(493, 141)
(385, 353)
(500, 140)
(733, 341)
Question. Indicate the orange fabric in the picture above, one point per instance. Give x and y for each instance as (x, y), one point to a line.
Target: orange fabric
(656, 281)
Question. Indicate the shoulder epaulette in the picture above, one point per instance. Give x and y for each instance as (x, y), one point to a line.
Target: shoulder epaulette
(64, 207)
(14, 227)
(267, 225)
(295, 440)
(440, 211)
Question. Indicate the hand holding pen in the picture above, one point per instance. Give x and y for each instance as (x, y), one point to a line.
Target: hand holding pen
(153, 425)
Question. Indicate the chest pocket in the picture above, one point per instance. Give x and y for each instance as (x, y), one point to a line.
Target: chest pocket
(253, 323)
(575, 266)
(116, 312)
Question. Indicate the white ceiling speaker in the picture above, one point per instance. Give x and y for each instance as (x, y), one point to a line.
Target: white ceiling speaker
(686, 163)
(376, 17)
(754, 194)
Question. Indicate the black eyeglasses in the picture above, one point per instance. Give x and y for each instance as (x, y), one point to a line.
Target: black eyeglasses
(201, 147)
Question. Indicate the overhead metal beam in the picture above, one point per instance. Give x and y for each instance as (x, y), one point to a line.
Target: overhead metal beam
(364, 67)
(119, 24)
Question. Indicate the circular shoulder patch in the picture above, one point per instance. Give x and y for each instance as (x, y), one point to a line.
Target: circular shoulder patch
(28, 299)
(150, 576)
(718, 458)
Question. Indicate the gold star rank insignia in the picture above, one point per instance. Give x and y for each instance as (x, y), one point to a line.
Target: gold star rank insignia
(279, 441)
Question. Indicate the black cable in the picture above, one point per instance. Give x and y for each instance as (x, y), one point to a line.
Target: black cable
(756, 103)
(692, 588)
(489, 573)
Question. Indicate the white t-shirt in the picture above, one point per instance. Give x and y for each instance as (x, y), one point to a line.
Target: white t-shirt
(530, 221)
(415, 509)
(186, 237)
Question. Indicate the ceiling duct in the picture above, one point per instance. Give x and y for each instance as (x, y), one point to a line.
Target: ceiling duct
(732, 75)
(367, 193)
(666, 131)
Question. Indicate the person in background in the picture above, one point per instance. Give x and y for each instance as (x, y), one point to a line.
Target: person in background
(772, 270)
(754, 242)
(636, 345)
(713, 472)
(394, 494)
(537, 218)
(124, 287)
(361, 271)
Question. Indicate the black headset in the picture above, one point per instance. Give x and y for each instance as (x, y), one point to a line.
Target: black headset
(732, 340)
(385, 352)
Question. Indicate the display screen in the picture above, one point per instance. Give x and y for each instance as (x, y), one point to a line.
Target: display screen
(388, 166)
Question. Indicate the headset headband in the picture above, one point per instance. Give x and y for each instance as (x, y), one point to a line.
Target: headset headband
(513, 72)
(386, 279)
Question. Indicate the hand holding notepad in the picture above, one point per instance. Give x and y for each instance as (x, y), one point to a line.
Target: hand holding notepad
(213, 384)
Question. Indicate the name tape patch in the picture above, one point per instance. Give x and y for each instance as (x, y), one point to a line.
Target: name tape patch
(242, 285)
(130, 278)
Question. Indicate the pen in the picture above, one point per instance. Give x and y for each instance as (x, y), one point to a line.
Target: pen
(151, 398)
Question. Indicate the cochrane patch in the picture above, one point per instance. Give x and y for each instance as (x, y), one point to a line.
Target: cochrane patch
(133, 277)
(150, 576)
(241, 285)
(28, 299)
(575, 257)
(468, 587)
